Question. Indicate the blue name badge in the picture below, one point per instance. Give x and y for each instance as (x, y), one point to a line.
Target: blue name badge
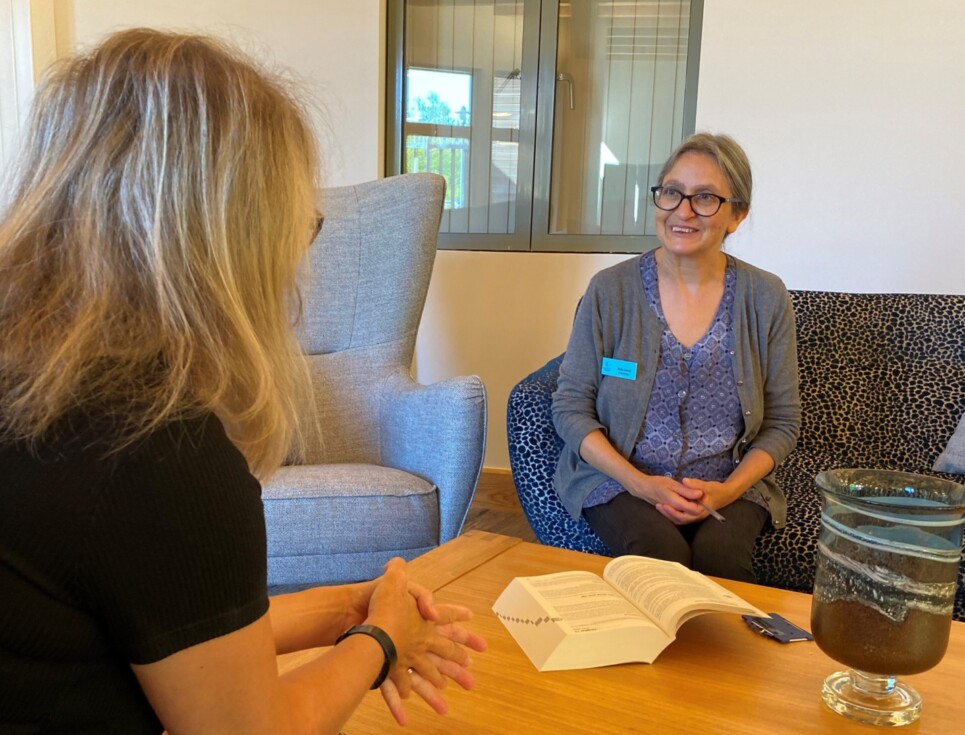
(619, 368)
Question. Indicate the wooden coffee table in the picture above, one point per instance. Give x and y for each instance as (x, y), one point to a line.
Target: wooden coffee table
(717, 677)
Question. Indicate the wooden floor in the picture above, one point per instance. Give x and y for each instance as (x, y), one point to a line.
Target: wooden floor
(496, 507)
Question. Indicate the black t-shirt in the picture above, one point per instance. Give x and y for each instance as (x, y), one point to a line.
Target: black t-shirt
(111, 560)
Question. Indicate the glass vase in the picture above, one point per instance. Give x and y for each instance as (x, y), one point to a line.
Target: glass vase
(887, 565)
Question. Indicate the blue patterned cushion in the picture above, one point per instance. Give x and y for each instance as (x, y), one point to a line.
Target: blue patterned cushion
(534, 450)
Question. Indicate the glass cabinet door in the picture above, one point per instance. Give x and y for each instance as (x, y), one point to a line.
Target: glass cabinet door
(619, 110)
(549, 119)
(463, 108)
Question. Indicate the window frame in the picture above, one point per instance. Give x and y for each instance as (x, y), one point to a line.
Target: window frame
(535, 152)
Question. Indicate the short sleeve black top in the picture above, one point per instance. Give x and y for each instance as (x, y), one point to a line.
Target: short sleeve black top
(111, 560)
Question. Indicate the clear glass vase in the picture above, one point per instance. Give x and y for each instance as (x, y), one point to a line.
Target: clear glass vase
(887, 565)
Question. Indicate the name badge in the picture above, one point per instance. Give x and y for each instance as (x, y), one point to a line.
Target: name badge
(619, 368)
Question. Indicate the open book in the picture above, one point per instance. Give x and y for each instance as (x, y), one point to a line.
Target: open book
(575, 620)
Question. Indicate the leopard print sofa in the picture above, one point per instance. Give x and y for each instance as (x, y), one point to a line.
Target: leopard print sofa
(882, 386)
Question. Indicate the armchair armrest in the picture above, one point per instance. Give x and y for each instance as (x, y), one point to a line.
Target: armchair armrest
(437, 432)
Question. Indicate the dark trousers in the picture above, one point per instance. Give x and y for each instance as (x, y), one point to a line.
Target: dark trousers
(629, 525)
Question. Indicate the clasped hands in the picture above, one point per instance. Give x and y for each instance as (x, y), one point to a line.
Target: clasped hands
(432, 644)
(682, 501)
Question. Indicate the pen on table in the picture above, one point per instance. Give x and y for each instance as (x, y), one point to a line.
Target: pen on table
(710, 510)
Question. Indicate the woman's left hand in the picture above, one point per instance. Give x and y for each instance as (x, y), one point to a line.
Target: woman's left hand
(716, 495)
(447, 652)
(755, 464)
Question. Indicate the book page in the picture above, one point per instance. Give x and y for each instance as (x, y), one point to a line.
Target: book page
(582, 602)
(670, 593)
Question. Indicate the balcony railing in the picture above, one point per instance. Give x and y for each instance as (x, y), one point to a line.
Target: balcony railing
(446, 156)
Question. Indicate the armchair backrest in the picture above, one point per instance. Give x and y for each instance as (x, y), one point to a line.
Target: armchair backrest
(369, 272)
(370, 265)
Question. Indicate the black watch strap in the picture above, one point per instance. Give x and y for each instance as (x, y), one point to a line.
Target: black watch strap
(388, 648)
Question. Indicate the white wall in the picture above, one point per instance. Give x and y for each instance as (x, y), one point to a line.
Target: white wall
(334, 48)
(26, 30)
(851, 113)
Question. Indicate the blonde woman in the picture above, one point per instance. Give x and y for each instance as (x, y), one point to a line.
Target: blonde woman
(148, 374)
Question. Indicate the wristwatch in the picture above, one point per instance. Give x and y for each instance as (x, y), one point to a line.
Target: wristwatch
(388, 648)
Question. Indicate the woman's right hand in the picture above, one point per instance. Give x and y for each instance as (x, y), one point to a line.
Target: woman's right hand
(597, 451)
(672, 498)
(659, 490)
(429, 651)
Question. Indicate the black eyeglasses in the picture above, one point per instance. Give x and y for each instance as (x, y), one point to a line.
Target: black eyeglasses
(703, 203)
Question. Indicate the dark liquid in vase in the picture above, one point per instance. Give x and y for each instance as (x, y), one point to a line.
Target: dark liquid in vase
(859, 636)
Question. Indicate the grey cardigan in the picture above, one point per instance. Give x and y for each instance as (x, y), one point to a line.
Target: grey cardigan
(613, 320)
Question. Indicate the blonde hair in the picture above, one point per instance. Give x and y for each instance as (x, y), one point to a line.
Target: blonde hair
(149, 253)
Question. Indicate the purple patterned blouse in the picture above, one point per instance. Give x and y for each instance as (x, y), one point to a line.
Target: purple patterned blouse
(694, 418)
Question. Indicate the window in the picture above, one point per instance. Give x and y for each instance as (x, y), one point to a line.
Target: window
(438, 104)
(549, 119)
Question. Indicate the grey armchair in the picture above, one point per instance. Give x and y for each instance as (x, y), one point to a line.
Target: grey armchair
(396, 465)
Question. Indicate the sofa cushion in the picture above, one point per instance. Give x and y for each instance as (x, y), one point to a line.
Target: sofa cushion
(882, 386)
(786, 557)
(882, 376)
(952, 458)
(348, 508)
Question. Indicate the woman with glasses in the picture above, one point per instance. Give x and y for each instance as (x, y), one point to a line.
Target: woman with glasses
(678, 393)
(149, 376)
